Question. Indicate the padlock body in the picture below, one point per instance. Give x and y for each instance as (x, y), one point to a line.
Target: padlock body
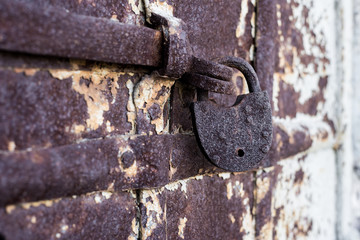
(235, 138)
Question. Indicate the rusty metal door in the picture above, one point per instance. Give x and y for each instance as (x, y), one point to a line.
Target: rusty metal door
(99, 150)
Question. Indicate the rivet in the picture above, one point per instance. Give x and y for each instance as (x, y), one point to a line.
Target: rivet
(222, 135)
(265, 134)
(266, 105)
(216, 159)
(265, 148)
(248, 109)
(249, 119)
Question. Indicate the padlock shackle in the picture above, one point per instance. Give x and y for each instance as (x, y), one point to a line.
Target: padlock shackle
(246, 69)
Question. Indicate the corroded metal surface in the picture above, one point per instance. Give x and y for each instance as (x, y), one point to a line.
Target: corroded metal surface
(129, 12)
(209, 83)
(56, 32)
(293, 55)
(211, 207)
(85, 167)
(99, 215)
(58, 107)
(177, 52)
(117, 163)
(235, 138)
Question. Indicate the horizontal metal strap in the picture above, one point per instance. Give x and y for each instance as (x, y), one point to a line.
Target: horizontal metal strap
(121, 163)
(209, 84)
(212, 69)
(53, 31)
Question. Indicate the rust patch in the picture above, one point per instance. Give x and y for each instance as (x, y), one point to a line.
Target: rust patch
(81, 217)
(84, 104)
(299, 176)
(37, 110)
(99, 89)
(125, 11)
(228, 32)
(190, 211)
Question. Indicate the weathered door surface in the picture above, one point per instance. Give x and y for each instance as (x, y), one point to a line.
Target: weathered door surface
(95, 150)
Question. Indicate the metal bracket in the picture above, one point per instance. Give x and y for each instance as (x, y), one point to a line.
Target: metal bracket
(176, 51)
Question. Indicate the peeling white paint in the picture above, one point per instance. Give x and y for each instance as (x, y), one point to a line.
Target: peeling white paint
(306, 207)
(97, 103)
(146, 95)
(182, 226)
(154, 212)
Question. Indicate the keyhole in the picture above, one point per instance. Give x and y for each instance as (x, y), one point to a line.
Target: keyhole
(240, 152)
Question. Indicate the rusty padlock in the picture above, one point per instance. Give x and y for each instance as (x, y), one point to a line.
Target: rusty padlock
(236, 138)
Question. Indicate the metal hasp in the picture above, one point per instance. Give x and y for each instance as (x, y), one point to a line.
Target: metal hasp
(236, 138)
(52, 31)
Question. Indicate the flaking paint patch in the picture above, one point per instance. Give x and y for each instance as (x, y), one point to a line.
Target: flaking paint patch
(154, 212)
(27, 71)
(305, 208)
(134, 7)
(33, 219)
(134, 227)
(229, 190)
(247, 223)
(242, 25)
(253, 24)
(159, 7)
(317, 132)
(263, 186)
(232, 218)
(100, 196)
(114, 18)
(172, 186)
(10, 208)
(173, 169)
(266, 231)
(28, 205)
(153, 92)
(93, 85)
(225, 175)
(236, 190)
(182, 226)
(11, 146)
(304, 53)
(131, 111)
(111, 188)
(77, 128)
